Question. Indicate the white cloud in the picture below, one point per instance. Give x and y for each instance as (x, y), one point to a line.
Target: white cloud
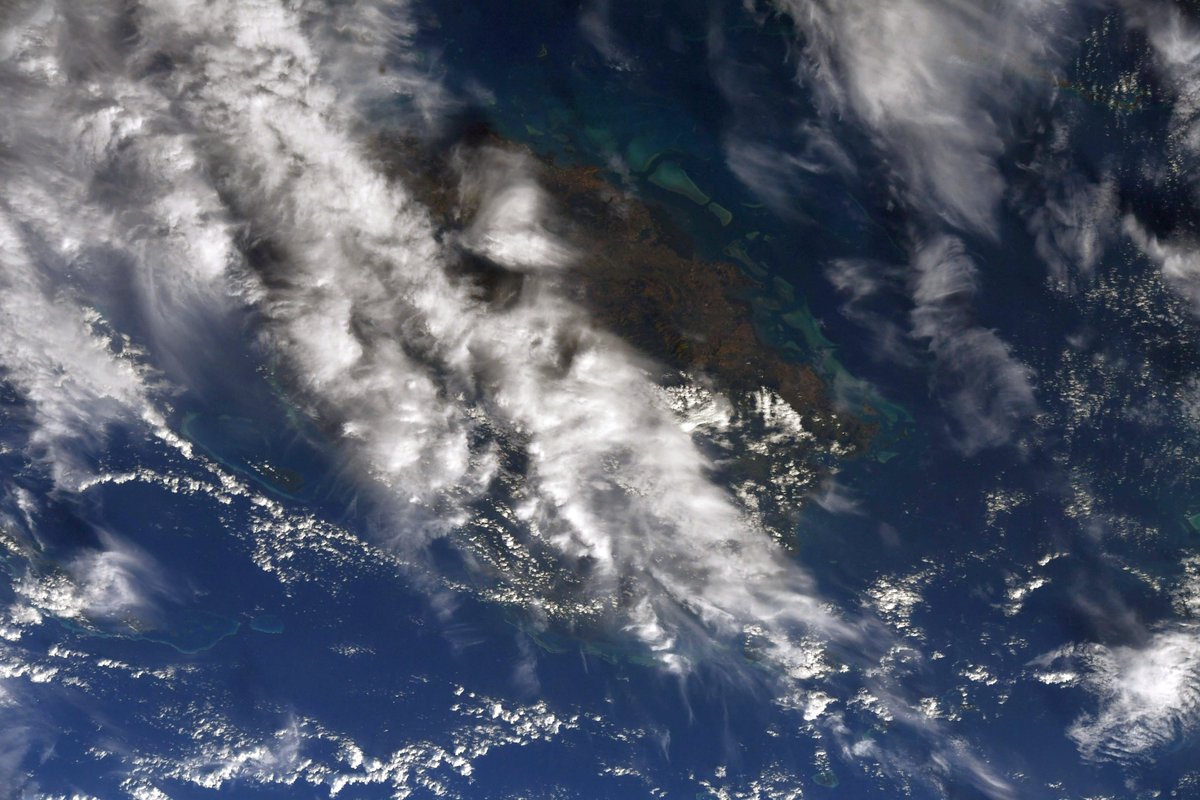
(1177, 260)
(769, 144)
(597, 30)
(510, 225)
(26, 738)
(250, 136)
(60, 358)
(117, 582)
(919, 74)
(420, 374)
(775, 174)
(986, 389)
(16, 740)
(1176, 45)
(1147, 695)
(305, 752)
(862, 282)
(107, 216)
(1073, 225)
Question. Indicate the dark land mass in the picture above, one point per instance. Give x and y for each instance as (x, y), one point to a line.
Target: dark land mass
(635, 272)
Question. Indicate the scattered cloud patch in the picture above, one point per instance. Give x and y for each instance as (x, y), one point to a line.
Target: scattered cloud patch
(1147, 696)
(986, 389)
(917, 73)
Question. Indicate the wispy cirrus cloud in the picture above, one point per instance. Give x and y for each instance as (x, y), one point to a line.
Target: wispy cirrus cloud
(1175, 41)
(863, 283)
(58, 355)
(987, 390)
(1177, 259)
(917, 74)
(1073, 226)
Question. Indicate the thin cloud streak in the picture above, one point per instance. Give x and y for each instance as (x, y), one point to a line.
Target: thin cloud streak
(986, 389)
(917, 73)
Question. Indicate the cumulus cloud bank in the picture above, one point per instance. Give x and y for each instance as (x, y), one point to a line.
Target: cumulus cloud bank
(237, 178)
(116, 581)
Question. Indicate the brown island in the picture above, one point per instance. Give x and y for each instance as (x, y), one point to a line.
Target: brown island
(637, 274)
